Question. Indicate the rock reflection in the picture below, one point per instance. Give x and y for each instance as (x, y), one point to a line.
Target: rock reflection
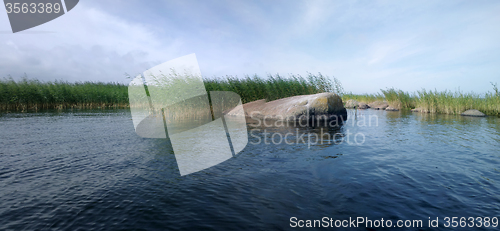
(273, 132)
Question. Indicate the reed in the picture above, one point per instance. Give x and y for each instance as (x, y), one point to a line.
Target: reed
(449, 102)
(365, 98)
(31, 94)
(274, 86)
(445, 102)
(399, 99)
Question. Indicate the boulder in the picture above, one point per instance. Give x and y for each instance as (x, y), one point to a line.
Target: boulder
(320, 106)
(473, 112)
(363, 106)
(391, 109)
(378, 105)
(351, 103)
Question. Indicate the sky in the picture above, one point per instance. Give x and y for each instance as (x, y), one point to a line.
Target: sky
(367, 45)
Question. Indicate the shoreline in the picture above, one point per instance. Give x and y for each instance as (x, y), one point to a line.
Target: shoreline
(34, 95)
(440, 102)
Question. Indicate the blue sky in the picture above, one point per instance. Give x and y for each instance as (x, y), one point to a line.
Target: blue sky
(367, 45)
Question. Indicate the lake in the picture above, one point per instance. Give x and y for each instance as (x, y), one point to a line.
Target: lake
(88, 169)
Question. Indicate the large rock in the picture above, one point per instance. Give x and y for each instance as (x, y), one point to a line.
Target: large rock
(378, 105)
(473, 112)
(363, 106)
(351, 103)
(320, 106)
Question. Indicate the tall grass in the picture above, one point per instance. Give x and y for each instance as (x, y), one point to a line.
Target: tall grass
(365, 98)
(398, 98)
(274, 87)
(32, 94)
(446, 102)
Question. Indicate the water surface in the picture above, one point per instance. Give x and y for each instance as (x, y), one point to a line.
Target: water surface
(89, 170)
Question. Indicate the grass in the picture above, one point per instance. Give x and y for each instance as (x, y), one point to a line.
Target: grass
(31, 94)
(445, 102)
(365, 98)
(398, 99)
(274, 87)
(448, 102)
(36, 95)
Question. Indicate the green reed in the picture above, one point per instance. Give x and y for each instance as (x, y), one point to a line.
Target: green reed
(365, 98)
(274, 86)
(446, 102)
(399, 99)
(32, 94)
(449, 102)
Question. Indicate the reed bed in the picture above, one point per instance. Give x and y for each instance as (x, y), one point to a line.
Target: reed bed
(274, 87)
(31, 94)
(399, 99)
(448, 102)
(365, 98)
(445, 102)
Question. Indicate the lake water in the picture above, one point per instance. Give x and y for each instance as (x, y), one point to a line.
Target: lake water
(89, 170)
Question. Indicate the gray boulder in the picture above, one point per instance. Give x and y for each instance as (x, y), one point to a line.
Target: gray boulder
(351, 103)
(473, 112)
(320, 106)
(378, 105)
(363, 106)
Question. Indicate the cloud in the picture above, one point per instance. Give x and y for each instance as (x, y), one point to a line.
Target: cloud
(368, 45)
(88, 44)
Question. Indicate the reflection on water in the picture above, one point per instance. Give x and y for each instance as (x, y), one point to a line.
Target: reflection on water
(291, 133)
(90, 170)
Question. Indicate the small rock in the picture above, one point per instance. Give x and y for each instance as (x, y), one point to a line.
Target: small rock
(391, 109)
(363, 106)
(473, 112)
(351, 103)
(419, 109)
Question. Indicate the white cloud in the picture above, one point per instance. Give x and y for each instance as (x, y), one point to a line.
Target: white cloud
(367, 45)
(88, 44)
